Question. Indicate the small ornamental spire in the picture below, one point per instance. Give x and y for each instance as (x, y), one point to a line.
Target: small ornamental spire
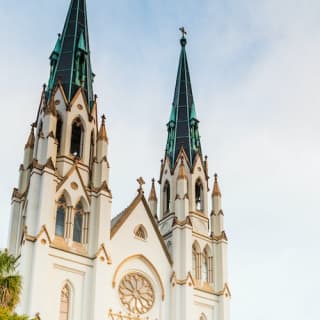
(30, 142)
(182, 171)
(216, 189)
(153, 195)
(141, 183)
(102, 135)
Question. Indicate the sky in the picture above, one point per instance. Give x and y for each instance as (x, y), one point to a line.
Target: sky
(255, 73)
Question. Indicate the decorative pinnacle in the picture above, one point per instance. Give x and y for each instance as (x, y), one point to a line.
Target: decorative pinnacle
(102, 135)
(216, 189)
(153, 195)
(183, 40)
(141, 183)
(30, 142)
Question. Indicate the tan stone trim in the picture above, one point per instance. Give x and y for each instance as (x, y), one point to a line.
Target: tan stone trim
(31, 238)
(188, 280)
(199, 214)
(181, 223)
(103, 250)
(222, 236)
(127, 213)
(68, 175)
(147, 262)
(75, 97)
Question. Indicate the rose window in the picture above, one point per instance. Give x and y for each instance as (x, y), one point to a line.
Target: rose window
(136, 293)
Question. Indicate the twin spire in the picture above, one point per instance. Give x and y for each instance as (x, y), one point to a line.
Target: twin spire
(183, 123)
(71, 67)
(70, 60)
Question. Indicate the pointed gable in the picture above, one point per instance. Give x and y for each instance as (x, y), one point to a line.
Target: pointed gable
(146, 219)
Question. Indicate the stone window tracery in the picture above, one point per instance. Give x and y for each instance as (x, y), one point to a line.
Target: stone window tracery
(60, 217)
(136, 293)
(78, 223)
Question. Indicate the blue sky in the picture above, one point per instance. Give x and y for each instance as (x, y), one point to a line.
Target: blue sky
(255, 73)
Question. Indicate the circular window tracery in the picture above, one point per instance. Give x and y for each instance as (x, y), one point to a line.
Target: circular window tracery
(136, 293)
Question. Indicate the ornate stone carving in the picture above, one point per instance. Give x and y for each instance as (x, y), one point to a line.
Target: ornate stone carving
(136, 293)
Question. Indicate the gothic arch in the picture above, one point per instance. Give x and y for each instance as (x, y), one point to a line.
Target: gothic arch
(148, 264)
(203, 316)
(207, 263)
(66, 195)
(77, 137)
(59, 130)
(166, 197)
(65, 302)
(199, 195)
(196, 260)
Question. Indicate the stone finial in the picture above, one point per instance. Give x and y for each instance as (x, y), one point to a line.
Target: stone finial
(31, 139)
(153, 195)
(102, 135)
(141, 182)
(216, 189)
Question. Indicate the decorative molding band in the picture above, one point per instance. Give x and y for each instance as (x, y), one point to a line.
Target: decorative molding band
(188, 280)
(181, 223)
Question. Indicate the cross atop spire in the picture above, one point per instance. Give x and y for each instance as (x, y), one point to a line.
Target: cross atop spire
(183, 124)
(70, 59)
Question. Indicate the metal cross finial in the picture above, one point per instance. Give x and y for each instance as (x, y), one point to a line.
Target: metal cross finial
(183, 31)
(141, 183)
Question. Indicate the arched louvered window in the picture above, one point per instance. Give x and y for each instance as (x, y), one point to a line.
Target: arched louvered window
(76, 138)
(78, 223)
(59, 132)
(166, 198)
(60, 217)
(64, 313)
(199, 195)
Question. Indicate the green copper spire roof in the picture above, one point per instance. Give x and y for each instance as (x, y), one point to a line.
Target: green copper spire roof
(70, 59)
(183, 124)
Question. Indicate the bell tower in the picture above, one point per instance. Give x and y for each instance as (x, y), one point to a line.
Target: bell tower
(60, 220)
(195, 236)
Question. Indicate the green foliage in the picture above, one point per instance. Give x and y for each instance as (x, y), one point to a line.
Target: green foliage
(10, 283)
(5, 314)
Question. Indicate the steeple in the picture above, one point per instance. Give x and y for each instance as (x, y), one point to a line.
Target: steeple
(70, 59)
(183, 124)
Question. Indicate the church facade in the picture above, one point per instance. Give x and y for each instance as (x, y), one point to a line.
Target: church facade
(156, 260)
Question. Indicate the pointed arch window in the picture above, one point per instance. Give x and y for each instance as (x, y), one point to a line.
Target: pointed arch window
(91, 149)
(78, 223)
(205, 267)
(166, 198)
(76, 138)
(60, 217)
(199, 195)
(64, 303)
(59, 132)
(196, 261)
